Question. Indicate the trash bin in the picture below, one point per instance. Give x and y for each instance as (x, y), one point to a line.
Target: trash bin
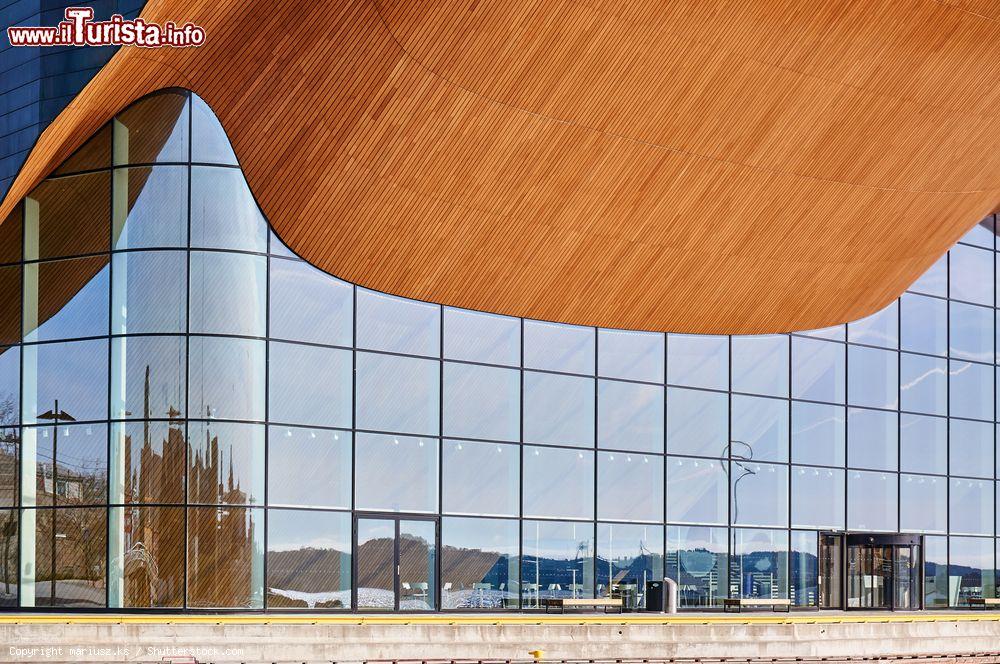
(654, 596)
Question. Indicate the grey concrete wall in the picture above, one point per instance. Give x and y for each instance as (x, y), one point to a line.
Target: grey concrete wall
(226, 642)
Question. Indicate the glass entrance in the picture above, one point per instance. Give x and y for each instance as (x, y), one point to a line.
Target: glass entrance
(396, 568)
(882, 572)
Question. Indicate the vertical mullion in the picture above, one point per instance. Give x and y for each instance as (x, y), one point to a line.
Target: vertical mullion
(520, 493)
(187, 357)
(597, 461)
(354, 436)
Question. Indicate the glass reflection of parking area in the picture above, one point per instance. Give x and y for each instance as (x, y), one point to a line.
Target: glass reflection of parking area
(396, 563)
(880, 572)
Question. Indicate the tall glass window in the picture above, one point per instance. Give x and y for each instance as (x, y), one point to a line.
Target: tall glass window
(558, 483)
(759, 563)
(759, 494)
(557, 561)
(629, 416)
(698, 559)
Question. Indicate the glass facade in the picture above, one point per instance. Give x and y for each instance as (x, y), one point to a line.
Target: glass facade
(193, 417)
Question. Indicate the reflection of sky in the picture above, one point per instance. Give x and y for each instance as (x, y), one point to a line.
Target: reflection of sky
(558, 347)
(289, 530)
(482, 337)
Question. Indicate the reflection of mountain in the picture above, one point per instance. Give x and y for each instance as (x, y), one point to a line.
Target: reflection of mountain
(307, 570)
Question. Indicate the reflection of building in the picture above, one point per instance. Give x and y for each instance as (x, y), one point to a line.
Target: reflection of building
(245, 431)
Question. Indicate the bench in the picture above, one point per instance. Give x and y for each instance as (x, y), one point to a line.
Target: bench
(984, 601)
(583, 603)
(740, 602)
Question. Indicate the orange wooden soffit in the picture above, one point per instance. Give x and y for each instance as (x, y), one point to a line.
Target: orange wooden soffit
(719, 166)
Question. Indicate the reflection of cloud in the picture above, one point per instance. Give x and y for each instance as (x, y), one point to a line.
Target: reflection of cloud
(927, 374)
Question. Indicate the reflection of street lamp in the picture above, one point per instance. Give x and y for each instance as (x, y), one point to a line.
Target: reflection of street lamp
(746, 471)
(55, 416)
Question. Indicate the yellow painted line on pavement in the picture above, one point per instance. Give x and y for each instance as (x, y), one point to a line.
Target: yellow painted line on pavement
(485, 619)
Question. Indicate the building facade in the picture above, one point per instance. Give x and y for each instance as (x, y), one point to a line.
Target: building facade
(195, 418)
(37, 83)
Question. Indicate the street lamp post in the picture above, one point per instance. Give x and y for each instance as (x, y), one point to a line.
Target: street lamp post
(56, 416)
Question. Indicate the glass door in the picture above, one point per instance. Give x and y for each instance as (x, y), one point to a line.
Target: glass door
(831, 564)
(396, 564)
(869, 574)
(906, 578)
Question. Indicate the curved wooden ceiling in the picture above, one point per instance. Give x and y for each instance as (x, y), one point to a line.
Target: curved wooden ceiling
(702, 165)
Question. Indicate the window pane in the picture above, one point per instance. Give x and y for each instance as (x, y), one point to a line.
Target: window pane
(74, 556)
(698, 491)
(629, 555)
(818, 434)
(698, 560)
(818, 498)
(818, 370)
(760, 365)
(558, 561)
(11, 297)
(696, 360)
(924, 324)
(558, 483)
(224, 214)
(149, 292)
(558, 409)
(225, 557)
(629, 487)
(308, 467)
(309, 385)
(971, 507)
(697, 422)
(879, 329)
(72, 373)
(397, 394)
(10, 386)
(78, 454)
(398, 325)
(630, 355)
(308, 560)
(923, 384)
(971, 390)
(66, 299)
(558, 347)
(833, 333)
(226, 378)
(629, 416)
(310, 305)
(971, 272)
(228, 293)
(150, 563)
(873, 380)
(972, 334)
(759, 566)
(276, 247)
(225, 463)
(759, 493)
(150, 207)
(971, 448)
(872, 439)
(935, 280)
(871, 501)
(153, 462)
(924, 443)
(480, 478)
(147, 377)
(805, 569)
(80, 202)
(972, 568)
(760, 429)
(935, 572)
(982, 234)
(209, 143)
(482, 402)
(482, 337)
(10, 489)
(153, 129)
(923, 504)
(381, 463)
(479, 559)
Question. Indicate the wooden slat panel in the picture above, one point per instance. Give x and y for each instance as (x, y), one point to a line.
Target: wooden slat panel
(720, 166)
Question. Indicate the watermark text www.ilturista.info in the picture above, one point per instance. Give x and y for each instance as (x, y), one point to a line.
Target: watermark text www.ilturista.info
(80, 29)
